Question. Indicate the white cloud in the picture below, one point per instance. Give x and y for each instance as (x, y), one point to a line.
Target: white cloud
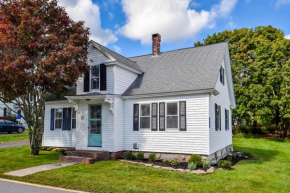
(86, 10)
(174, 20)
(279, 3)
(287, 36)
(117, 49)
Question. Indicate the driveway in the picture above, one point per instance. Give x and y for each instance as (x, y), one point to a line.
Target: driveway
(13, 186)
(16, 144)
(4, 134)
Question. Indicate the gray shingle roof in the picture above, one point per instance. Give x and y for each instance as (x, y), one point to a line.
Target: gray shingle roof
(119, 57)
(187, 69)
(53, 97)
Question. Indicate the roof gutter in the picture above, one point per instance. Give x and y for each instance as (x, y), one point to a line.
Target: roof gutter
(203, 91)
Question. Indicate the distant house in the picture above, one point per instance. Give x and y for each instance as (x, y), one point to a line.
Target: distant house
(175, 103)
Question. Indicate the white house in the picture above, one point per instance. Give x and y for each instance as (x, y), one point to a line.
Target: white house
(174, 103)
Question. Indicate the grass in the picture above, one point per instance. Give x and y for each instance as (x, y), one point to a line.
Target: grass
(270, 172)
(13, 138)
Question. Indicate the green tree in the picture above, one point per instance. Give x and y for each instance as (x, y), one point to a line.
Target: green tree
(260, 66)
(41, 51)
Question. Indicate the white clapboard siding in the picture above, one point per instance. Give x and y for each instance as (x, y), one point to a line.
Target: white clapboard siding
(192, 141)
(82, 126)
(220, 139)
(57, 137)
(95, 57)
(123, 79)
(118, 124)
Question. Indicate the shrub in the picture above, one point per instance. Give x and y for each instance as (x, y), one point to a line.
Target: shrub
(224, 164)
(230, 158)
(239, 135)
(61, 150)
(49, 148)
(152, 157)
(174, 162)
(249, 135)
(128, 155)
(140, 155)
(206, 164)
(195, 159)
(236, 156)
(164, 161)
(191, 166)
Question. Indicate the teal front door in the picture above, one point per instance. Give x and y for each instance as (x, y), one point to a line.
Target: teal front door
(95, 126)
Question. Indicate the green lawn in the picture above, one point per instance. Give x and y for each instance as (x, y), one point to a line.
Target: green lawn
(13, 138)
(270, 172)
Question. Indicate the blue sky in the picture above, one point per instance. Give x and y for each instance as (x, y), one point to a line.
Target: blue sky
(126, 26)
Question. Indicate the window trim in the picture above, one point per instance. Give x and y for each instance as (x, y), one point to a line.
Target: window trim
(177, 102)
(72, 110)
(99, 77)
(58, 118)
(140, 107)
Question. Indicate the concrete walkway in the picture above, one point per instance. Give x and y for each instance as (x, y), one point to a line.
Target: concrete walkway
(13, 186)
(16, 144)
(32, 170)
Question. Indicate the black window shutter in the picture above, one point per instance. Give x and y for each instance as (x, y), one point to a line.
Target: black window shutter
(64, 118)
(220, 118)
(221, 75)
(5, 112)
(68, 119)
(216, 118)
(182, 115)
(154, 116)
(103, 77)
(52, 119)
(136, 117)
(162, 116)
(87, 81)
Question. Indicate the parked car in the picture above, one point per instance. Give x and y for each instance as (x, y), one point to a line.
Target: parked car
(10, 126)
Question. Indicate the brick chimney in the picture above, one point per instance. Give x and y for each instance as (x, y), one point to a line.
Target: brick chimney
(156, 39)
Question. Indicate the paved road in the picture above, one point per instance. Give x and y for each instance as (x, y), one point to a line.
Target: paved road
(12, 186)
(16, 144)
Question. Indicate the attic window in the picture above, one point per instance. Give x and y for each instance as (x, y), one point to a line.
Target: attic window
(95, 77)
(222, 75)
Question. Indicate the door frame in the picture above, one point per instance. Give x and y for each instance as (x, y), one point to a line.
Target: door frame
(89, 119)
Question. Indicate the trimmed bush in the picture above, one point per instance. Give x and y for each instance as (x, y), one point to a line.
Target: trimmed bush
(230, 158)
(174, 162)
(128, 155)
(164, 161)
(239, 135)
(224, 164)
(152, 157)
(61, 150)
(140, 155)
(191, 166)
(196, 159)
(206, 164)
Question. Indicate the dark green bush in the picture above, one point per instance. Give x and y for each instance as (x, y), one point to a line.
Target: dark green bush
(247, 154)
(235, 156)
(230, 158)
(196, 159)
(224, 164)
(152, 157)
(239, 135)
(249, 135)
(128, 155)
(140, 155)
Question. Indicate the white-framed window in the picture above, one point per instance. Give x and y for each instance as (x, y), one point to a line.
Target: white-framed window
(73, 118)
(172, 115)
(95, 77)
(145, 116)
(58, 118)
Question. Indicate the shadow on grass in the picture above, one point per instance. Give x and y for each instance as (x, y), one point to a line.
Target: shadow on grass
(258, 154)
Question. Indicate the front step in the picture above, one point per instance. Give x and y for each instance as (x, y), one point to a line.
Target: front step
(87, 157)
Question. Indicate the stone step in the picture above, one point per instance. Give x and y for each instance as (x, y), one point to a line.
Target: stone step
(99, 155)
(86, 160)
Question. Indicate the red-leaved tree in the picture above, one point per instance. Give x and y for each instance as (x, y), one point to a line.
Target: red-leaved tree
(41, 51)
